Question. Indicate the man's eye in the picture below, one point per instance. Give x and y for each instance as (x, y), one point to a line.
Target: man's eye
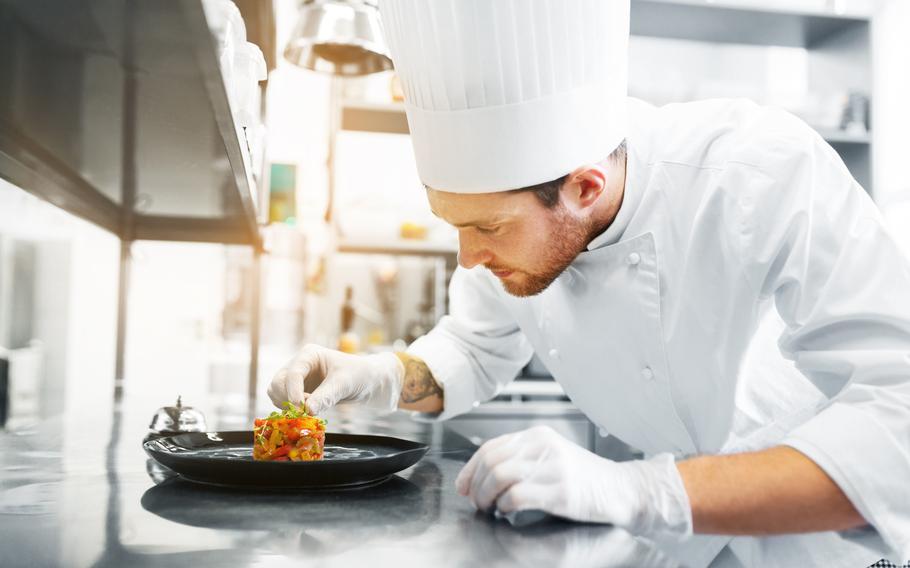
(487, 230)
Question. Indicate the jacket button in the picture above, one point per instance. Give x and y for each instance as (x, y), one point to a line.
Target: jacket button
(603, 432)
(554, 353)
(647, 374)
(633, 259)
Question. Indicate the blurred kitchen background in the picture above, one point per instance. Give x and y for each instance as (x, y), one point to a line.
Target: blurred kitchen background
(185, 201)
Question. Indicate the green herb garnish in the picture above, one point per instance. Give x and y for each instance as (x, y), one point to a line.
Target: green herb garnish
(291, 410)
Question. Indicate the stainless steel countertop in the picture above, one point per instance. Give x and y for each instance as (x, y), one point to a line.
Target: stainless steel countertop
(88, 496)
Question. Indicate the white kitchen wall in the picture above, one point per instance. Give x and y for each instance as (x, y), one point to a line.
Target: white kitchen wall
(891, 116)
(75, 300)
(176, 299)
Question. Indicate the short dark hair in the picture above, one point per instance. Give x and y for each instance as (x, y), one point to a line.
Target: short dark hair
(548, 191)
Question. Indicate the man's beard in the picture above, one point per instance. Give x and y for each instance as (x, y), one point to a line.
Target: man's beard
(568, 237)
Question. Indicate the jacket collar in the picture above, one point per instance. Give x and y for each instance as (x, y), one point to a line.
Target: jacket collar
(630, 200)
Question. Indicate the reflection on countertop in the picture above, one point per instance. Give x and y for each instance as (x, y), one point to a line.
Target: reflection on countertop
(89, 498)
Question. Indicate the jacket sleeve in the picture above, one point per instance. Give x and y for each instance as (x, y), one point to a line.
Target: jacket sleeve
(476, 349)
(814, 241)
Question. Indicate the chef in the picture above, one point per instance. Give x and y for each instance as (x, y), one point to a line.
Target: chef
(646, 255)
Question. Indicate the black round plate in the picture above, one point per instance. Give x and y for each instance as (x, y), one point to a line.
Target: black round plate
(226, 458)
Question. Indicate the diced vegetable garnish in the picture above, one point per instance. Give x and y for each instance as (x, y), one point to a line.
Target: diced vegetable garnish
(289, 435)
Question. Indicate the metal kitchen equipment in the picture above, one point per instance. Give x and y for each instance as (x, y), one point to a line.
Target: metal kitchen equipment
(339, 37)
(177, 419)
(128, 124)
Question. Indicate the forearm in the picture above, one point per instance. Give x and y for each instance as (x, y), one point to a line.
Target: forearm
(774, 491)
(420, 391)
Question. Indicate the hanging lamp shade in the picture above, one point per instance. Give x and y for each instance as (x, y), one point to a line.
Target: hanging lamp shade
(339, 37)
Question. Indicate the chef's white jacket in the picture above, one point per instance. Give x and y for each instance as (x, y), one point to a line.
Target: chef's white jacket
(736, 218)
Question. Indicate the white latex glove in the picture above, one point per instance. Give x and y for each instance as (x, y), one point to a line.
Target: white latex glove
(372, 380)
(540, 469)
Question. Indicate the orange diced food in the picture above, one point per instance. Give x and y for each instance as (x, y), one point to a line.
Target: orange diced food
(291, 435)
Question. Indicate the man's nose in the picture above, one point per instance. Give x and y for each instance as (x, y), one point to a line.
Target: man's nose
(469, 254)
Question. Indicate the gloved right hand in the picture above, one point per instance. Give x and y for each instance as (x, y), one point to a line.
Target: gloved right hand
(539, 469)
(333, 377)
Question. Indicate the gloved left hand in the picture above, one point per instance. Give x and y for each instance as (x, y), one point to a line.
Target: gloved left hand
(540, 469)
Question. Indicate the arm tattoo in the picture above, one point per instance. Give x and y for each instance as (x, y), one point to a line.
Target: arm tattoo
(418, 380)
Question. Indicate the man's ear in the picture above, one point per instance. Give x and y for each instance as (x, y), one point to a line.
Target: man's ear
(585, 185)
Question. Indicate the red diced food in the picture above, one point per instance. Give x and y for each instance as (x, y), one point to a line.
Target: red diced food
(290, 435)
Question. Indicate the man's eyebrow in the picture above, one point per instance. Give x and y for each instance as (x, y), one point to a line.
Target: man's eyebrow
(469, 223)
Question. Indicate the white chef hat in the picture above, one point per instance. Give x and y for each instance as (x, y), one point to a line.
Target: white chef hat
(503, 94)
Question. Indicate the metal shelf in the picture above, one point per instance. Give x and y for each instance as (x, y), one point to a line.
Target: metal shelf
(117, 112)
(536, 388)
(231, 135)
(739, 22)
(121, 117)
(390, 118)
(833, 136)
(397, 247)
(505, 410)
(30, 166)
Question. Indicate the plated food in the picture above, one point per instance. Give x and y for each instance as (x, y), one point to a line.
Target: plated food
(226, 459)
(289, 435)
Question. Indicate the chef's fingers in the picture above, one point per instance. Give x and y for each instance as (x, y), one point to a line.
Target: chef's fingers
(325, 396)
(277, 388)
(305, 403)
(308, 364)
(466, 476)
(522, 496)
(295, 385)
(301, 366)
(512, 449)
(491, 483)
